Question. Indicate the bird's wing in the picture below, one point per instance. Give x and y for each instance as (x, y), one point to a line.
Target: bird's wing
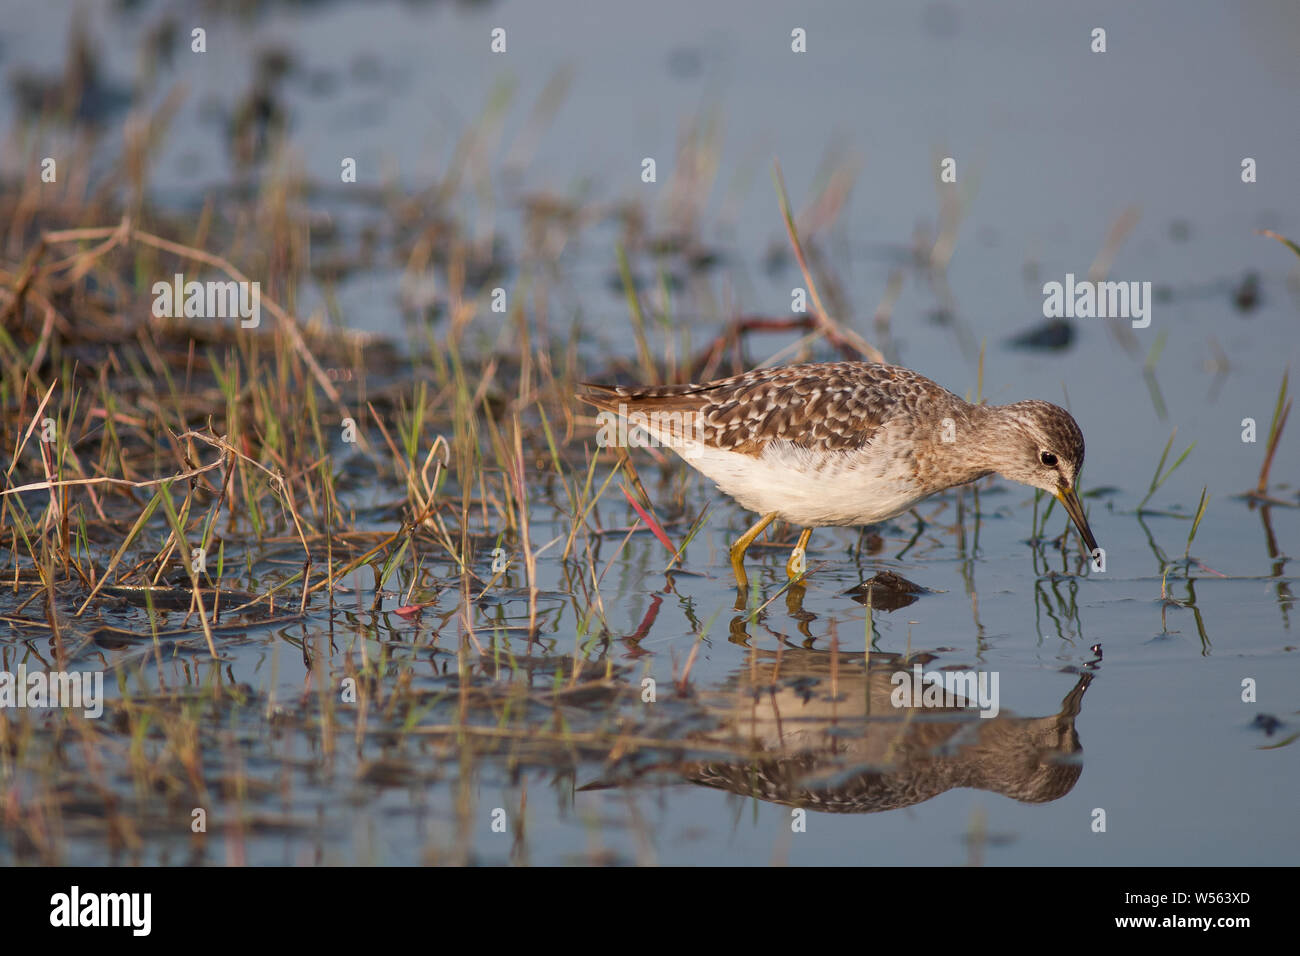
(833, 406)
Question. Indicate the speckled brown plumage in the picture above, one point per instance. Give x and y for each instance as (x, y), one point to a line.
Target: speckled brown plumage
(830, 406)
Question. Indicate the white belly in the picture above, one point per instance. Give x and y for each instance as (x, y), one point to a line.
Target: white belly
(812, 489)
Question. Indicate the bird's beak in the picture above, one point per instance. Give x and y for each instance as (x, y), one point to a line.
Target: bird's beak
(1069, 499)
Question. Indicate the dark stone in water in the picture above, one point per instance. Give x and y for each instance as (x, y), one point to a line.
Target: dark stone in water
(1051, 336)
(887, 591)
(111, 638)
(1246, 296)
(1267, 723)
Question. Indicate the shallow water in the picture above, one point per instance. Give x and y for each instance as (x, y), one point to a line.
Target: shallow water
(1052, 143)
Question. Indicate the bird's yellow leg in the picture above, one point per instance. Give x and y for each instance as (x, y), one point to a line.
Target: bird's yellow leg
(798, 562)
(742, 545)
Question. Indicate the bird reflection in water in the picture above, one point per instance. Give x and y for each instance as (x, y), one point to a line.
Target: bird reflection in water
(818, 729)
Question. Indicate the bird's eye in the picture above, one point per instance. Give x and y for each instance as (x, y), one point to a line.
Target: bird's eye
(1048, 459)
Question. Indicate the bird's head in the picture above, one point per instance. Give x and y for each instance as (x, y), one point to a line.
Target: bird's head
(1041, 446)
